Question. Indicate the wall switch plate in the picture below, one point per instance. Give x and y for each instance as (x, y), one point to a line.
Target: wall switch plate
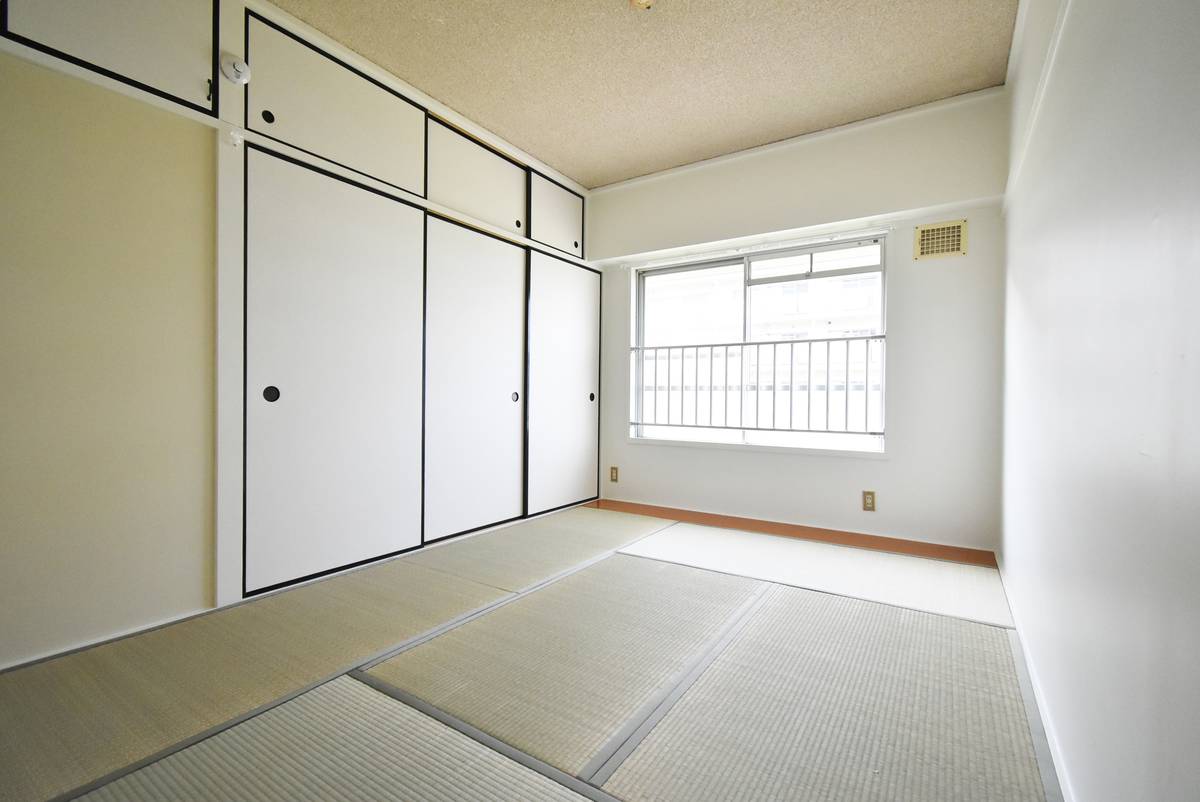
(612, 474)
(868, 501)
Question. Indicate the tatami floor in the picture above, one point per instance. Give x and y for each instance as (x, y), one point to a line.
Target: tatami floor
(589, 654)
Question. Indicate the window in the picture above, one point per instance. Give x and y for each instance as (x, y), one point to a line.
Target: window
(781, 348)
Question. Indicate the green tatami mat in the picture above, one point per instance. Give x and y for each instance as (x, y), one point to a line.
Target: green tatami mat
(517, 556)
(557, 673)
(342, 742)
(74, 719)
(823, 697)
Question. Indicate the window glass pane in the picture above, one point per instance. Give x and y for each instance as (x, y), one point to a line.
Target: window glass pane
(694, 306)
(836, 306)
(859, 256)
(772, 266)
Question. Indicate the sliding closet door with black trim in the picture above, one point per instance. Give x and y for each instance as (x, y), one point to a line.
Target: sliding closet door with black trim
(333, 373)
(564, 379)
(474, 379)
(164, 47)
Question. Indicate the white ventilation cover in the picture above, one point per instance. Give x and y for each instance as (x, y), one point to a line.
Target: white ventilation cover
(940, 239)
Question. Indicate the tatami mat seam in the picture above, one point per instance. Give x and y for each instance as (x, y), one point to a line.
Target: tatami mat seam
(542, 582)
(374, 659)
(512, 597)
(820, 590)
(559, 776)
(609, 758)
(233, 722)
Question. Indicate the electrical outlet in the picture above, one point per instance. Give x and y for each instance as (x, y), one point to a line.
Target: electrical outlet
(612, 474)
(868, 501)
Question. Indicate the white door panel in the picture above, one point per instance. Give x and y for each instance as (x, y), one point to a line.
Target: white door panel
(163, 44)
(557, 215)
(333, 320)
(306, 99)
(564, 375)
(469, 178)
(474, 358)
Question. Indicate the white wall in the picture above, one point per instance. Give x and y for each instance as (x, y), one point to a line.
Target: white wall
(940, 478)
(1101, 543)
(944, 153)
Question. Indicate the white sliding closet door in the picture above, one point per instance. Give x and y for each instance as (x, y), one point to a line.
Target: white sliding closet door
(333, 373)
(165, 46)
(474, 380)
(564, 377)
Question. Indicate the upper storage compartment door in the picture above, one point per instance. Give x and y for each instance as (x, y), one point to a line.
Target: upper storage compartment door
(162, 46)
(469, 178)
(557, 216)
(304, 97)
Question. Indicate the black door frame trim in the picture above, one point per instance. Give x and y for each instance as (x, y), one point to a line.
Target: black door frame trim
(246, 122)
(485, 145)
(214, 78)
(582, 216)
(247, 147)
(599, 371)
(524, 389)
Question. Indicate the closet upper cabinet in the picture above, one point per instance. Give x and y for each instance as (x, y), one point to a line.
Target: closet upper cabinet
(162, 46)
(469, 178)
(557, 214)
(304, 97)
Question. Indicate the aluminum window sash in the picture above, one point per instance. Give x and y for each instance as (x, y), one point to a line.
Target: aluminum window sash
(764, 342)
(705, 265)
(845, 271)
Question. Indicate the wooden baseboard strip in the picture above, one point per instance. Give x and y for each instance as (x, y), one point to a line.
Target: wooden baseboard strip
(914, 548)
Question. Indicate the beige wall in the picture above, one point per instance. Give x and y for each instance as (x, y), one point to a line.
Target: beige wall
(106, 362)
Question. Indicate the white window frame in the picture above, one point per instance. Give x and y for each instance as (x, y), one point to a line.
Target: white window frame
(635, 430)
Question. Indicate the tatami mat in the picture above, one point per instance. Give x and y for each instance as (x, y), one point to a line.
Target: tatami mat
(521, 555)
(823, 697)
(342, 742)
(556, 673)
(966, 591)
(76, 718)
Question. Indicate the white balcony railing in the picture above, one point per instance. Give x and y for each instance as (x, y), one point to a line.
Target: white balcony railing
(831, 385)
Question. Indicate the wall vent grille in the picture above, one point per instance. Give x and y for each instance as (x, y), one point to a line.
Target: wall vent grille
(940, 239)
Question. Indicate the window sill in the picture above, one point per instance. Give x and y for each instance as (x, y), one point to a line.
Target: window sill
(781, 450)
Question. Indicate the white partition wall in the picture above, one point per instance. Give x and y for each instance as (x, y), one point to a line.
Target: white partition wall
(333, 373)
(564, 379)
(474, 379)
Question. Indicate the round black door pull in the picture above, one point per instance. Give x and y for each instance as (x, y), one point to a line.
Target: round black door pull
(516, 396)
(268, 116)
(271, 394)
(576, 243)
(591, 396)
(518, 224)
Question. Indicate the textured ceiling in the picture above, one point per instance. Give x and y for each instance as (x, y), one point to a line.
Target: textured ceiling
(603, 92)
